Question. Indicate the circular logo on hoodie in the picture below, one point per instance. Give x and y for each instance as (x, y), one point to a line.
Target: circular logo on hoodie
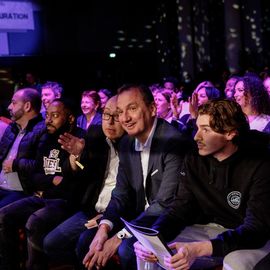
(234, 199)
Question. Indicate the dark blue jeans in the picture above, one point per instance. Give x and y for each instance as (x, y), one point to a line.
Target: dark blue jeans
(38, 216)
(9, 196)
(60, 243)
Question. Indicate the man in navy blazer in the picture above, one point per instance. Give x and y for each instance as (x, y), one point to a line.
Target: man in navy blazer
(148, 174)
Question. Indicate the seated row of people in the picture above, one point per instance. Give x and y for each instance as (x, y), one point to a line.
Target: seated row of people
(248, 91)
(148, 178)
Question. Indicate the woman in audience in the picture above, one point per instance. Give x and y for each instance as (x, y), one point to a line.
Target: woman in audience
(90, 103)
(104, 95)
(229, 88)
(254, 100)
(162, 100)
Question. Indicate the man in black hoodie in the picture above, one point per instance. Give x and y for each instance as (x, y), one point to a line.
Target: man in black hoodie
(52, 201)
(224, 195)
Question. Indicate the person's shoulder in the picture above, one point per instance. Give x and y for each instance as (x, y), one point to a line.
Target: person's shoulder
(80, 119)
(256, 143)
(126, 143)
(36, 122)
(166, 129)
(94, 131)
(194, 156)
(79, 132)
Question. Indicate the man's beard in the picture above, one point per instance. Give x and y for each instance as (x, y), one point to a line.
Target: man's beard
(17, 115)
(66, 127)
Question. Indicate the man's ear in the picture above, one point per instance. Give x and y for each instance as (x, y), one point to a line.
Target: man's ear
(27, 106)
(153, 108)
(231, 134)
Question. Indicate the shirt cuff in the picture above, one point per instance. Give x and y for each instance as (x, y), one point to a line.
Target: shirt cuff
(106, 221)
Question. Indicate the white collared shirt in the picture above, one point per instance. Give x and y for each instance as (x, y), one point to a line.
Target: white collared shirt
(145, 154)
(110, 180)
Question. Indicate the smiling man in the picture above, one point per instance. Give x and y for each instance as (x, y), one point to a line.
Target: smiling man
(49, 92)
(224, 192)
(148, 174)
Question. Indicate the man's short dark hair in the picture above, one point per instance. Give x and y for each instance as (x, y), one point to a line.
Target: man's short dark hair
(225, 116)
(33, 96)
(55, 86)
(69, 105)
(143, 89)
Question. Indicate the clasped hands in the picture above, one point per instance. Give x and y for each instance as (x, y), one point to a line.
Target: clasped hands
(101, 250)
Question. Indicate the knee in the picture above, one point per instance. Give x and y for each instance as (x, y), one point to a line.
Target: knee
(49, 244)
(33, 223)
(236, 260)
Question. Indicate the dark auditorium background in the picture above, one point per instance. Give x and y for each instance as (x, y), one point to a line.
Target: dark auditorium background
(74, 42)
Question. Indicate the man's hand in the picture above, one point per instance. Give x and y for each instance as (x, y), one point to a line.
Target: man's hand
(187, 253)
(93, 257)
(73, 145)
(110, 247)
(143, 253)
(7, 165)
(193, 105)
(175, 107)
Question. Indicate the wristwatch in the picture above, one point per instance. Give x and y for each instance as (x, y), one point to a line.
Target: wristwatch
(121, 234)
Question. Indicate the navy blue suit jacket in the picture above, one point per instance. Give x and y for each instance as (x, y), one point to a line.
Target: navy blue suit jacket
(128, 198)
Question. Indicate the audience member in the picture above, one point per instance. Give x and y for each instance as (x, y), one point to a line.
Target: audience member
(90, 103)
(53, 200)
(150, 161)
(162, 100)
(19, 145)
(102, 157)
(171, 84)
(32, 81)
(254, 100)
(222, 203)
(104, 95)
(229, 87)
(49, 92)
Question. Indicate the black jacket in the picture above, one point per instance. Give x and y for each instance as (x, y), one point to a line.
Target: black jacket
(24, 163)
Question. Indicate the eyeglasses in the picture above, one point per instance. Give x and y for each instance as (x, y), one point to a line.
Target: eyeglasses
(108, 116)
